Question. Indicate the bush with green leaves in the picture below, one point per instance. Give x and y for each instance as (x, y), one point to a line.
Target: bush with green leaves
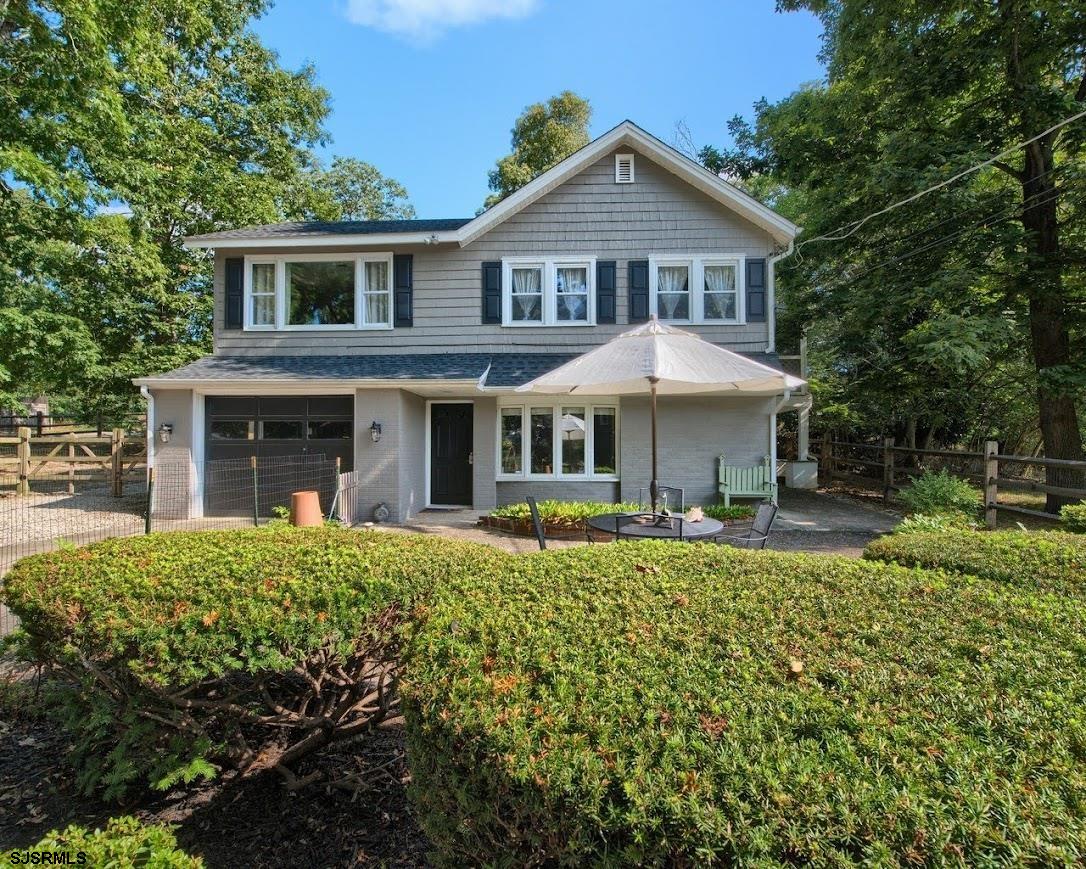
(917, 522)
(1073, 517)
(938, 492)
(124, 842)
(732, 513)
(662, 704)
(568, 513)
(185, 652)
(1049, 561)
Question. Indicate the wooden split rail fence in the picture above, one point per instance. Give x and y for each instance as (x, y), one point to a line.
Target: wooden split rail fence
(887, 467)
(112, 458)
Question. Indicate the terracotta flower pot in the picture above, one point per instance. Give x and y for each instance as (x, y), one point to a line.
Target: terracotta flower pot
(305, 509)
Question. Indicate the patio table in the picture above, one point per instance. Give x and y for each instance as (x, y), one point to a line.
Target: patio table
(606, 522)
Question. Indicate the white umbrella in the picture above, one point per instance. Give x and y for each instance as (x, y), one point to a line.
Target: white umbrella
(663, 360)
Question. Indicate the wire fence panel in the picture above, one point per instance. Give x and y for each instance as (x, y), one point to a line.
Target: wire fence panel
(61, 510)
(65, 509)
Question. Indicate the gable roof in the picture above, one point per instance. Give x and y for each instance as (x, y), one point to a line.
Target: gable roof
(465, 230)
(629, 134)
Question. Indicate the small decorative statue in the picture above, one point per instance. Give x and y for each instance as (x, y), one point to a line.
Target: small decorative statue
(695, 514)
(380, 512)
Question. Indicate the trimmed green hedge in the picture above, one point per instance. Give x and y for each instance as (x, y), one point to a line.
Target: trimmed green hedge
(124, 842)
(1048, 560)
(1073, 517)
(187, 652)
(657, 704)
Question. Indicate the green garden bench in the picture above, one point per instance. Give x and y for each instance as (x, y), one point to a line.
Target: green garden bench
(759, 481)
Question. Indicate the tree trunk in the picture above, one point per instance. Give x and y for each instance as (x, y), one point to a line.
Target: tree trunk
(1043, 284)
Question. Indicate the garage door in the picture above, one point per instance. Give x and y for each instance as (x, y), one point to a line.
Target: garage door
(295, 439)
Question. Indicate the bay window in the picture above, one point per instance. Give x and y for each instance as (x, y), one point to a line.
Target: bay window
(319, 291)
(697, 289)
(558, 441)
(548, 291)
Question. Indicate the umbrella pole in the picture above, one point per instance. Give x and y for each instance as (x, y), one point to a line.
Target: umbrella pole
(654, 486)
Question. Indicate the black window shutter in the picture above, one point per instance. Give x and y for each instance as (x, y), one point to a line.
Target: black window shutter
(403, 294)
(235, 292)
(606, 273)
(756, 300)
(492, 292)
(639, 290)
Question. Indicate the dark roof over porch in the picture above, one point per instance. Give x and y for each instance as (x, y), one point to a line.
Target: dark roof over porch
(502, 370)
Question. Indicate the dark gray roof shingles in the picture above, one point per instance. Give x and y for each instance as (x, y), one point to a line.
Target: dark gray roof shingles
(303, 229)
(506, 370)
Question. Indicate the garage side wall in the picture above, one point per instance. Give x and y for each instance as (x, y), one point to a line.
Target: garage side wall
(377, 465)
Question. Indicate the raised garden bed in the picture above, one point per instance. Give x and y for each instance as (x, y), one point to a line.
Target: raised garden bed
(565, 520)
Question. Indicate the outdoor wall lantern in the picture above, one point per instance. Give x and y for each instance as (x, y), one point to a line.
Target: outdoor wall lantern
(375, 431)
(164, 432)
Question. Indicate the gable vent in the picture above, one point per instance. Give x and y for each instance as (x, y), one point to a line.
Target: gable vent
(624, 168)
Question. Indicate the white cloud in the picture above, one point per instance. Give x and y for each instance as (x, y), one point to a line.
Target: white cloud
(426, 19)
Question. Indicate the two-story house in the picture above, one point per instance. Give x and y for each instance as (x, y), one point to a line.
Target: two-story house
(397, 345)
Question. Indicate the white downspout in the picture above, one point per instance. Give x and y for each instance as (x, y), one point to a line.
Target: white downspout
(771, 295)
(146, 393)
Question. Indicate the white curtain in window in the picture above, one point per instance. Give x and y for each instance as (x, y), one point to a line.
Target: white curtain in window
(376, 277)
(527, 281)
(572, 293)
(671, 287)
(720, 279)
(528, 294)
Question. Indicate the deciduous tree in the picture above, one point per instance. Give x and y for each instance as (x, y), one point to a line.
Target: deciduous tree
(544, 135)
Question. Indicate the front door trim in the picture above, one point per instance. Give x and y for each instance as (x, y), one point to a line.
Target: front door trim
(429, 455)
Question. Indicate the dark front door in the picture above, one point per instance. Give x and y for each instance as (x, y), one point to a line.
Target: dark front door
(450, 453)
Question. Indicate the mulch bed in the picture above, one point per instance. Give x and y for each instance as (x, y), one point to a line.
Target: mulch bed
(252, 821)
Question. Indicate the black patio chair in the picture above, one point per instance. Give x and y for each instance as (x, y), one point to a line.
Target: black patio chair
(758, 533)
(537, 525)
(669, 496)
(665, 524)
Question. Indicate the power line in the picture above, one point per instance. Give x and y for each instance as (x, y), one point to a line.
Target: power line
(855, 225)
(991, 220)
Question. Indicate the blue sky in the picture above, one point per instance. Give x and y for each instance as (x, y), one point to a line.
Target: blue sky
(427, 90)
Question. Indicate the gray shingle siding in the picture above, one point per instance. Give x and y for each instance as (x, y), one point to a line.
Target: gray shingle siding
(589, 214)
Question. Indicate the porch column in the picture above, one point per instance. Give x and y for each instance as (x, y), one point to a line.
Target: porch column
(804, 433)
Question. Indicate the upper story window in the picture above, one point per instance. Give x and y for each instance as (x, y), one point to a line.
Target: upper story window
(319, 291)
(548, 292)
(702, 289)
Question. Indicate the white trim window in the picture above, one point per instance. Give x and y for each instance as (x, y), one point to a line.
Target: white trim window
(295, 292)
(263, 294)
(548, 291)
(547, 440)
(697, 289)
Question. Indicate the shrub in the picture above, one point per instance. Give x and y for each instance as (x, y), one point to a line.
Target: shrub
(124, 842)
(734, 513)
(1073, 517)
(656, 704)
(934, 493)
(185, 652)
(937, 522)
(570, 513)
(1047, 561)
